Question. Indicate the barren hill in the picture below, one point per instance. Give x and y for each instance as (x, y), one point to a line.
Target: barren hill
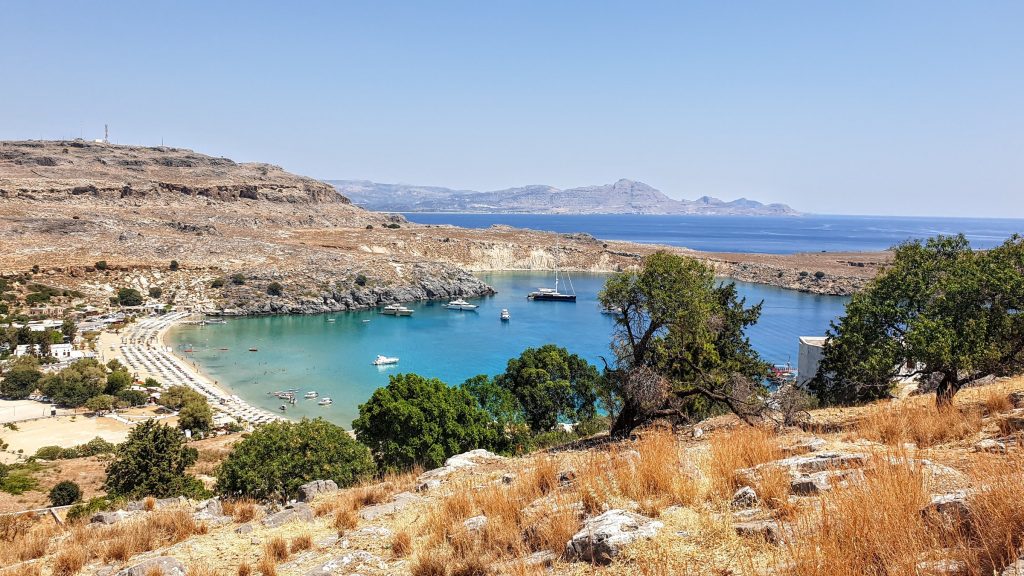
(621, 197)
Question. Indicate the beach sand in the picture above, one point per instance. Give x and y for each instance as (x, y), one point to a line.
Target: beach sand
(64, 431)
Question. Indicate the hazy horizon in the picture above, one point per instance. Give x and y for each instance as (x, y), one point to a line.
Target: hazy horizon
(902, 109)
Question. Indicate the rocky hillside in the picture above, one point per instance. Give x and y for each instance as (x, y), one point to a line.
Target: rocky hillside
(622, 197)
(895, 488)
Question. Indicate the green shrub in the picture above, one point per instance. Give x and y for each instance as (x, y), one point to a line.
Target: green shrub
(217, 283)
(275, 289)
(152, 462)
(50, 453)
(133, 397)
(101, 265)
(84, 510)
(174, 265)
(155, 292)
(65, 493)
(129, 297)
(238, 279)
(277, 458)
(819, 274)
(414, 420)
(361, 279)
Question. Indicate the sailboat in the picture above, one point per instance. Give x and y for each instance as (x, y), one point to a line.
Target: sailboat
(552, 294)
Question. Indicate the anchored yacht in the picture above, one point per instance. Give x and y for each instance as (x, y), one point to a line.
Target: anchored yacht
(460, 304)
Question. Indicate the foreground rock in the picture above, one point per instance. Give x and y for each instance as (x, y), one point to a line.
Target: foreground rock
(603, 537)
(163, 565)
(433, 478)
(311, 490)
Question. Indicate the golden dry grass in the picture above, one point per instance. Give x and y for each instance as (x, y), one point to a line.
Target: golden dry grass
(301, 542)
(401, 544)
(69, 560)
(743, 447)
(244, 568)
(266, 566)
(276, 548)
(345, 519)
(241, 511)
(25, 569)
(918, 421)
(195, 569)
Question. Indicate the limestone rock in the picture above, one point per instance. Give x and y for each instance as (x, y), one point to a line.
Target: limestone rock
(476, 523)
(1015, 569)
(990, 445)
(298, 511)
(602, 537)
(744, 498)
(165, 565)
(769, 530)
(949, 510)
(311, 490)
(109, 517)
(398, 502)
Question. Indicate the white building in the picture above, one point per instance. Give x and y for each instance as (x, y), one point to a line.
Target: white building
(62, 352)
(811, 351)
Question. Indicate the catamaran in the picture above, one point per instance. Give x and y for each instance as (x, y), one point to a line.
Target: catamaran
(460, 304)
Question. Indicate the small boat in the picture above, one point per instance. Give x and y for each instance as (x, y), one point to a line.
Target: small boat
(325, 401)
(330, 319)
(460, 304)
(311, 394)
(614, 310)
(253, 349)
(504, 315)
(396, 310)
(552, 294)
(366, 321)
(384, 360)
(283, 408)
(223, 349)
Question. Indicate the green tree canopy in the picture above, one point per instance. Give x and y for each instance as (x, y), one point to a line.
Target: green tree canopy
(504, 411)
(117, 381)
(76, 384)
(940, 310)
(152, 462)
(175, 397)
(101, 403)
(129, 297)
(20, 378)
(197, 416)
(550, 383)
(277, 458)
(415, 420)
(680, 344)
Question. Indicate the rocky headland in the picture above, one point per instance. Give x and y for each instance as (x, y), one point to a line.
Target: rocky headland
(234, 229)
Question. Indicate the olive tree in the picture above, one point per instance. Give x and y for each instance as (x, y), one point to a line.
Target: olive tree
(152, 462)
(940, 311)
(680, 345)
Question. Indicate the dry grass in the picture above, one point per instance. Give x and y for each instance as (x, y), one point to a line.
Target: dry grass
(873, 527)
(345, 519)
(743, 447)
(401, 544)
(33, 569)
(920, 422)
(996, 532)
(773, 485)
(154, 571)
(200, 570)
(655, 479)
(301, 542)
(276, 548)
(995, 400)
(242, 511)
(149, 504)
(266, 566)
(244, 569)
(69, 560)
(430, 563)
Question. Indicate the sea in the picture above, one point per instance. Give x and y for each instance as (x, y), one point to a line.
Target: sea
(332, 353)
(760, 234)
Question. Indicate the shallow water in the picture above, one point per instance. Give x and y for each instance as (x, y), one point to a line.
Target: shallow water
(333, 358)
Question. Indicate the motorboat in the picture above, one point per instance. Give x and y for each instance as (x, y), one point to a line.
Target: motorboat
(330, 319)
(505, 315)
(614, 310)
(384, 360)
(460, 304)
(325, 401)
(396, 310)
(311, 394)
(253, 349)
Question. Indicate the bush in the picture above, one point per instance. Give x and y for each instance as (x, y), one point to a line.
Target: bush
(155, 292)
(174, 265)
(133, 397)
(177, 396)
(217, 283)
(238, 279)
(414, 420)
(392, 226)
(369, 226)
(277, 458)
(197, 416)
(129, 297)
(84, 510)
(19, 381)
(101, 265)
(819, 274)
(275, 289)
(360, 280)
(65, 493)
(152, 462)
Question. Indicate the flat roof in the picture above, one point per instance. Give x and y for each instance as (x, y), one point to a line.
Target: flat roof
(813, 340)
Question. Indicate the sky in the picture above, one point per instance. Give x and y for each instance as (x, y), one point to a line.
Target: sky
(895, 107)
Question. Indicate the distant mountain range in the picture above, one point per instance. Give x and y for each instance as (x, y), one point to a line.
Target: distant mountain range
(622, 197)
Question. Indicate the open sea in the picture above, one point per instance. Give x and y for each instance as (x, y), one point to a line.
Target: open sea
(334, 358)
(764, 234)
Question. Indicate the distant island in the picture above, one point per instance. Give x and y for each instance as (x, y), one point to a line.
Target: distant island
(622, 197)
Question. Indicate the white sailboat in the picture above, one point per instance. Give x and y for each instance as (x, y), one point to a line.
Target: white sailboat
(552, 294)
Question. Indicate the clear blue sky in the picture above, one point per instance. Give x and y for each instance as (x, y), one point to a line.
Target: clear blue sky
(899, 107)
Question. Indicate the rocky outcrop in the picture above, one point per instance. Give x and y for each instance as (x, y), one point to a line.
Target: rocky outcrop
(603, 537)
(297, 512)
(164, 565)
(311, 490)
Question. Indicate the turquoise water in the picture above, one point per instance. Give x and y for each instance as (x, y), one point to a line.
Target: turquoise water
(334, 358)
